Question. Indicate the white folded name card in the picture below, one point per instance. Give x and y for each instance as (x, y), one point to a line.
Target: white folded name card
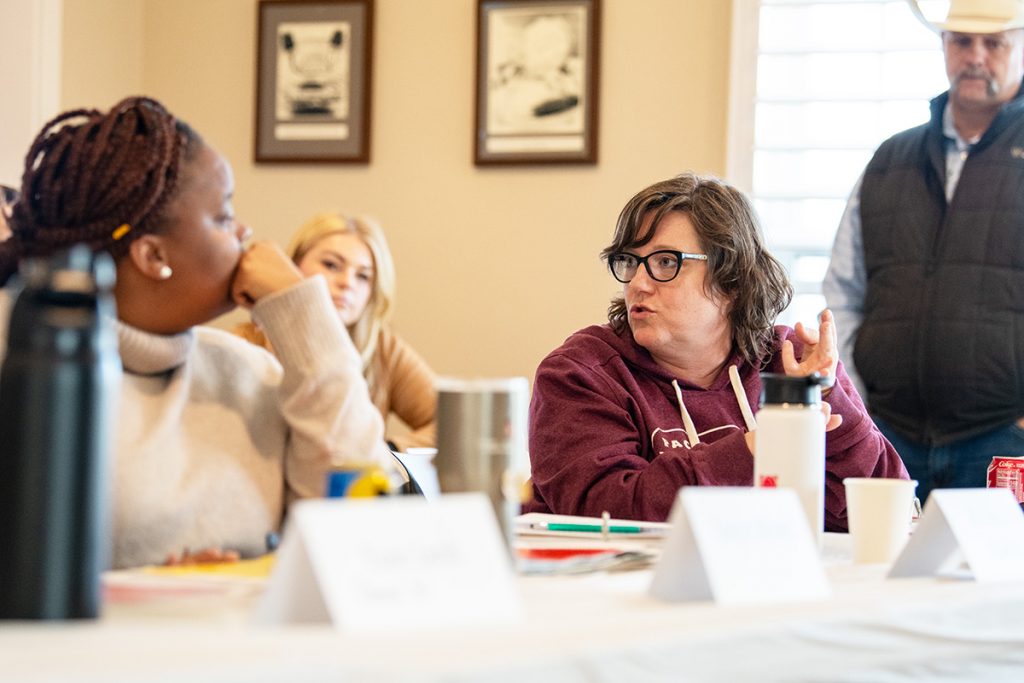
(737, 546)
(377, 564)
(986, 525)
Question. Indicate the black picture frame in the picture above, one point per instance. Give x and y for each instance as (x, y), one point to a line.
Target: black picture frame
(537, 76)
(313, 81)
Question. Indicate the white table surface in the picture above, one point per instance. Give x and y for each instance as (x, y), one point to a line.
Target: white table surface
(593, 627)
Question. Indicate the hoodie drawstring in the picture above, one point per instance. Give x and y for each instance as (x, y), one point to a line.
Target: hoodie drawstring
(691, 431)
(741, 400)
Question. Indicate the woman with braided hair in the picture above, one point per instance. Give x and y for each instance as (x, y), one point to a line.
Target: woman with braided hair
(214, 436)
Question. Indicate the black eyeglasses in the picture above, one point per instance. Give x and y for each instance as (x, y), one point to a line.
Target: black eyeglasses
(662, 265)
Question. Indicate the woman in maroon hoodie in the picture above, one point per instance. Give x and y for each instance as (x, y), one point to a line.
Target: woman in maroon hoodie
(624, 414)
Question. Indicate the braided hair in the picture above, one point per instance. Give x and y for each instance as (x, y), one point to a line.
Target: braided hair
(102, 179)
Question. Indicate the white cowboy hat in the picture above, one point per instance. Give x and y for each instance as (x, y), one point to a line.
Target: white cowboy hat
(982, 16)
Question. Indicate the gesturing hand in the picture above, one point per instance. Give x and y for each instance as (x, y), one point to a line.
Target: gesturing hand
(820, 352)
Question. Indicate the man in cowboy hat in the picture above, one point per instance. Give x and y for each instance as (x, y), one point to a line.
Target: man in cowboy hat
(927, 274)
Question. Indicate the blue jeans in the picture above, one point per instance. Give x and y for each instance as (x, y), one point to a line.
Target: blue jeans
(961, 464)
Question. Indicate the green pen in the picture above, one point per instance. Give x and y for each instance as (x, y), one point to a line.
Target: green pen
(594, 528)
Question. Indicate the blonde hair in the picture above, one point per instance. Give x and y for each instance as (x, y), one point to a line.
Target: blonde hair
(366, 331)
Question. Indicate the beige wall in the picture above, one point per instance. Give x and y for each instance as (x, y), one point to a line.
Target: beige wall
(496, 266)
(30, 48)
(102, 56)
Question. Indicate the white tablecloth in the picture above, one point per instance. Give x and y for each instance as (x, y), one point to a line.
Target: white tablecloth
(594, 627)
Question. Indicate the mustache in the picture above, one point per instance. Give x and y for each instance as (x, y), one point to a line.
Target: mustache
(991, 87)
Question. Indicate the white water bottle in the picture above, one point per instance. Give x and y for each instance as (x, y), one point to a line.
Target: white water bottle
(789, 444)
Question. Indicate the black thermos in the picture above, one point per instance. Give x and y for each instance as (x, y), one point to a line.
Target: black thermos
(58, 384)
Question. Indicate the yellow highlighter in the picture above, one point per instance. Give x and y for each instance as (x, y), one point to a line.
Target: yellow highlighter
(358, 482)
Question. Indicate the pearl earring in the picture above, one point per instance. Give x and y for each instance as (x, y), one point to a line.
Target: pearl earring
(165, 272)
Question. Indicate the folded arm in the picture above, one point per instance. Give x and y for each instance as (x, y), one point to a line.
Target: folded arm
(855, 449)
(323, 396)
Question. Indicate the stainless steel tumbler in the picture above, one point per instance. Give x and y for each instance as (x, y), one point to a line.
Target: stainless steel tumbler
(481, 440)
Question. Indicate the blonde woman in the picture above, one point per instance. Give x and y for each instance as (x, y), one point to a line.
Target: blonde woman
(352, 254)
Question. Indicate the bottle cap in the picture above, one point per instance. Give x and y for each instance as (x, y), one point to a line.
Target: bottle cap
(73, 271)
(778, 389)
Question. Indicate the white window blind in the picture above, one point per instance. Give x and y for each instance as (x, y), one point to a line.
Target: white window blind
(817, 85)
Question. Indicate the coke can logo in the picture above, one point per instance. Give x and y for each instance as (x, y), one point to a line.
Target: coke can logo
(769, 481)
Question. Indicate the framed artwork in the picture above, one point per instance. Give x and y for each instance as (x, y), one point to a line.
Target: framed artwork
(313, 80)
(537, 81)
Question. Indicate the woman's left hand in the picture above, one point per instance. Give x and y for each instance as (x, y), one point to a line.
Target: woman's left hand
(204, 556)
(820, 353)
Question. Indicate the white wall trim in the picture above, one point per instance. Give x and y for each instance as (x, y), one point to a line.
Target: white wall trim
(30, 70)
(47, 25)
(742, 94)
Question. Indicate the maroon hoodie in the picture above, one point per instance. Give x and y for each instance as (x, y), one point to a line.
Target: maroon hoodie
(606, 432)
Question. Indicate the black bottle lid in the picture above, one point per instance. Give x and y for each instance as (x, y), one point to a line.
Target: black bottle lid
(59, 302)
(73, 271)
(779, 389)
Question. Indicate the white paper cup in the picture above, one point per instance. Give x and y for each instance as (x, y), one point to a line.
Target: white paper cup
(879, 513)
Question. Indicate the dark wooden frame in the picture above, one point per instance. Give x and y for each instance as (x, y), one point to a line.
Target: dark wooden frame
(296, 147)
(486, 142)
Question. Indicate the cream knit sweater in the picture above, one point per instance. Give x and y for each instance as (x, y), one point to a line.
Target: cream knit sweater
(214, 436)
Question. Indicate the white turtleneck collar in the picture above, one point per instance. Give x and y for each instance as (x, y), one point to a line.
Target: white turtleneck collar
(145, 353)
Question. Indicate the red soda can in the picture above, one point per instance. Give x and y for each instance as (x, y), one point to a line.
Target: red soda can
(1007, 473)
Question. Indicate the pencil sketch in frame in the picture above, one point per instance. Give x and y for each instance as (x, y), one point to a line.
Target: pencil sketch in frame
(313, 81)
(537, 81)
